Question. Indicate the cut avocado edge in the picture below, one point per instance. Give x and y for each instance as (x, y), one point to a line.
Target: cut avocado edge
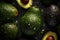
(48, 34)
(25, 6)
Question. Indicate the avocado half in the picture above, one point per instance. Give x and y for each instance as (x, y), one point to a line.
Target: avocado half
(31, 21)
(50, 36)
(23, 5)
(7, 11)
(9, 31)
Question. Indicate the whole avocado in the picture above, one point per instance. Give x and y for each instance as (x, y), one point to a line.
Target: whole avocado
(51, 15)
(31, 21)
(7, 12)
(9, 31)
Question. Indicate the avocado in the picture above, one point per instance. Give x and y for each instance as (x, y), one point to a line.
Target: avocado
(31, 21)
(7, 11)
(9, 31)
(24, 3)
(51, 14)
(50, 36)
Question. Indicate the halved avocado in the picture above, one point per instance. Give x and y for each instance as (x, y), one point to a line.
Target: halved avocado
(31, 21)
(7, 11)
(50, 36)
(24, 3)
(9, 31)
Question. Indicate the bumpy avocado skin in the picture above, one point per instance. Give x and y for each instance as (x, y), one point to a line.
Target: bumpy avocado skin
(31, 21)
(9, 31)
(7, 12)
(51, 15)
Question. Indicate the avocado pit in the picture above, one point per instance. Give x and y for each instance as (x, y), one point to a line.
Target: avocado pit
(25, 1)
(50, 38)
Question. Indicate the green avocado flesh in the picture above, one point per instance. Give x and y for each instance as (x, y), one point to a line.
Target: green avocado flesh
(50, 36)
(7, 12)
(9, 31)
(31, 21)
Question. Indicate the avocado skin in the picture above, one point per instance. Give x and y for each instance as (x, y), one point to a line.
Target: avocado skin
(8, 31)
(31, 21)
(7, 12)
(51, 15)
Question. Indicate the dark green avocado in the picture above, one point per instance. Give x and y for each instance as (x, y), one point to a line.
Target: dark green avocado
(50, 36)
(31, 21)
(51, 15)
(9, 31)
(7, 12)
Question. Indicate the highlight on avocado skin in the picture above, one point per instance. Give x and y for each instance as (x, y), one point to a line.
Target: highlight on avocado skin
(7, 11)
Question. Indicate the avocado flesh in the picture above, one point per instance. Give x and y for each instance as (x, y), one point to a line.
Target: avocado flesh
(48, 34)
(25, 6)
(9, 31)
(31, 21)
(7, 12)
